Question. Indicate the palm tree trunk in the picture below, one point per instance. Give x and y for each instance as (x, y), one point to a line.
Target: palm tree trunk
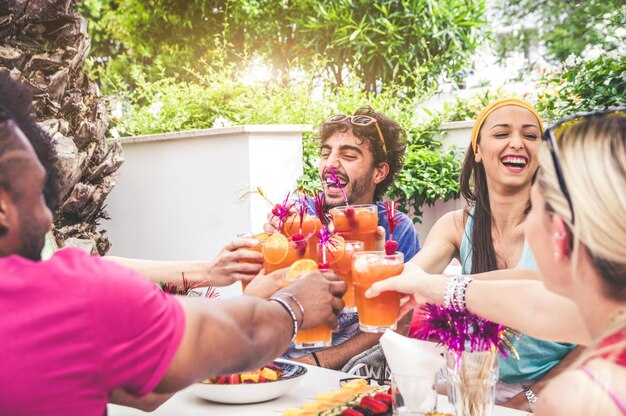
(44, 43)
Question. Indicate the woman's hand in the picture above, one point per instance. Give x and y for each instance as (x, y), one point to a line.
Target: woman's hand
(235, 263)
(418, 287)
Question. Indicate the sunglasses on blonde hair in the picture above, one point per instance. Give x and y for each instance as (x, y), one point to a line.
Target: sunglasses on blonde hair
(359, 120)
(556, 130)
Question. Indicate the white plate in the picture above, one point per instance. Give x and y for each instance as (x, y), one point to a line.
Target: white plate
(252, 392)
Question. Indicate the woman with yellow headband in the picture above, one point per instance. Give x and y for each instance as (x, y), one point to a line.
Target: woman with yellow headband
(489, 235)
(576, 230)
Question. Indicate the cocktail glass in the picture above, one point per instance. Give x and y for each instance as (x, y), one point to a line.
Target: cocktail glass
(357, 222)
(261, 238)
(279, 256)
(378, 313)
(310, 226)
(340, 262)
(321, 335)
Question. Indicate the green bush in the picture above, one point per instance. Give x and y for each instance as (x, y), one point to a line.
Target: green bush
(217, 98)
(583, 86)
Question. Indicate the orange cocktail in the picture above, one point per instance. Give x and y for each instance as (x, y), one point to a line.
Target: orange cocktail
(279, 252)
(261, 238)
(357, 222)
(321, 335)
(309, 228)
(339, 258)
(378, 313)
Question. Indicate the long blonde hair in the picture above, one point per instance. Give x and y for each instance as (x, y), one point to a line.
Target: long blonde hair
(593, 158)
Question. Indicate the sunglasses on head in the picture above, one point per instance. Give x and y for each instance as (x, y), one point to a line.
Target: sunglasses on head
(555, 132)
(359, 120)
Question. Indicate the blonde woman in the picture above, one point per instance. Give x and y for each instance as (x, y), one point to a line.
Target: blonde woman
(576, 229)
(489, 235)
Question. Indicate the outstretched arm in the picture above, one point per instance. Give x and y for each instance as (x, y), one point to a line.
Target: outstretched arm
(231, 265)
(525, 305)
(441, 244)
(241, 334)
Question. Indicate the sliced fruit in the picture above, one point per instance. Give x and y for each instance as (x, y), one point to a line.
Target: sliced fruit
(269, 374)
(233, 379)
(250, 377)
(377, 407)
(335, 249)
(383, 397)
(275, 249)
(262, 236)
(300, 267)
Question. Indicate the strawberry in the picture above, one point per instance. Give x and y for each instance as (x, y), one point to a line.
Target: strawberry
(350, 212)
(297, 237)
(391, 247)
(364, 411)
(351, 412)
(301, 247)
(377, 407)
(323, 266)
(276, 210)
(222, 380)
(383, 397)
(233, 379)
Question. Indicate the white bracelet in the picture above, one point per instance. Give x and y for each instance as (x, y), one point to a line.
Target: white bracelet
(291, 312)
(454, 295)
(461, 288)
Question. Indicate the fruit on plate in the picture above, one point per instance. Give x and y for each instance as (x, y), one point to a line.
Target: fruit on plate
(270, 372)
(335, 402)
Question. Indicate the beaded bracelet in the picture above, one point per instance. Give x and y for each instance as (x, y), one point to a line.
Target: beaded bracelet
(459, 298)
(291, 312)
(454, 295)
(297, 302)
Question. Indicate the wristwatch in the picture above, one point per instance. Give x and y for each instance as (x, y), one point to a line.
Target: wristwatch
(530, 396)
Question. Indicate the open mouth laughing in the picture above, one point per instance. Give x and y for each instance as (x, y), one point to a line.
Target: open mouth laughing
(334, 186)
(514, 163)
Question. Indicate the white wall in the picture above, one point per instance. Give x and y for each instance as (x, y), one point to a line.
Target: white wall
(178, 193)
(177, 196)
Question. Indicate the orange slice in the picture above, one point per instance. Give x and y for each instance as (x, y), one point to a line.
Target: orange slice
(335, 249)
(275, 249)
(300, 267)
(262, 236)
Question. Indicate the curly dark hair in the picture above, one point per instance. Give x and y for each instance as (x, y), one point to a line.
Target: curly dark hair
(16, 105)
(395, 142)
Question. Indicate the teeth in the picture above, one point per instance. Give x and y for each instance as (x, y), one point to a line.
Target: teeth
(515, 160)
(331, 183)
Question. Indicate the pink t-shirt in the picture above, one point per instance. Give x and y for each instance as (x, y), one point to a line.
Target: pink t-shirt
(74, 328)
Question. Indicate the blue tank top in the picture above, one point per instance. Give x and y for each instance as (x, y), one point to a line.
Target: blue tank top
(536, 357)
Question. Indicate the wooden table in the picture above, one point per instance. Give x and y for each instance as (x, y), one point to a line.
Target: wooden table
(315, 381)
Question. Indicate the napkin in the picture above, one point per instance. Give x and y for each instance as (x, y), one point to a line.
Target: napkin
(414, 365)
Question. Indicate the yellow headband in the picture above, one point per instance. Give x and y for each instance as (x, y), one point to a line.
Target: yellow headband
(493, 107)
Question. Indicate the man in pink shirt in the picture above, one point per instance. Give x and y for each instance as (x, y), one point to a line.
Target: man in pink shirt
(76, 328)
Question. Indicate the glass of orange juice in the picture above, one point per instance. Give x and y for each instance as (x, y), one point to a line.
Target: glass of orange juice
(357, 222)
(339, 257)
(279, 252)
(309, 227)
(321, 335)
(378, 313)
(261, 238)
